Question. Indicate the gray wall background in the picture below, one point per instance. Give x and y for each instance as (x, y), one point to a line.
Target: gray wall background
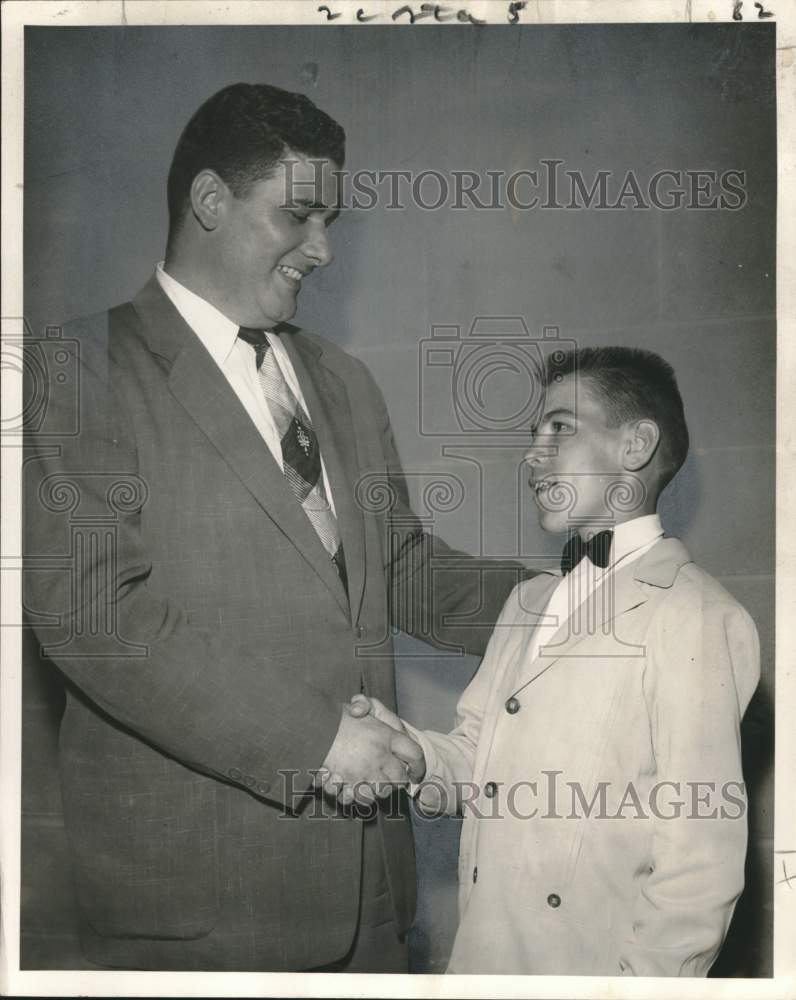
(104, 108)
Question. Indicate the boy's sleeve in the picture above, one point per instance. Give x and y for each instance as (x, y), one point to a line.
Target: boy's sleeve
(703, 666)
(450, 757)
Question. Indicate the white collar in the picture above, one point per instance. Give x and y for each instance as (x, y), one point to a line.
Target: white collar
(634, 534)
(212, 327)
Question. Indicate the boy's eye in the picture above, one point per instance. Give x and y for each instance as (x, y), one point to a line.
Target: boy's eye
(557, 426)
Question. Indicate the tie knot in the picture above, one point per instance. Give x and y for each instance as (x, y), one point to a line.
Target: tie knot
(253, 337)
(598, 549)
(258, 341)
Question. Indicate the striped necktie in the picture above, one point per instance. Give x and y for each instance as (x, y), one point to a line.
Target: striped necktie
(301, 456)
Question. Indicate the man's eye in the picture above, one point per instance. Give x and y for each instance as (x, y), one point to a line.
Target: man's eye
(558, 426)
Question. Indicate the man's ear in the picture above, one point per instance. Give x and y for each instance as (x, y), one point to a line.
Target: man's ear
(208, 193)
(641, 443)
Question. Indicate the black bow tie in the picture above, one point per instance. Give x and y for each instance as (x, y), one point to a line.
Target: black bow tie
(598, 549)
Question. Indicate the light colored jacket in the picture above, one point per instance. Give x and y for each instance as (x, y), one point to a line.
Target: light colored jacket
(608, 876)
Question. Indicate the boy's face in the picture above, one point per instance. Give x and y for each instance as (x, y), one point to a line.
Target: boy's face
(576, 460)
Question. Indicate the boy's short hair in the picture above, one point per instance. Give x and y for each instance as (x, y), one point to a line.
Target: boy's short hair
(241, 132)
(634, 385)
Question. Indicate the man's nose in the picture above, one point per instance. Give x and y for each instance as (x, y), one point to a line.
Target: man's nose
(317, 247)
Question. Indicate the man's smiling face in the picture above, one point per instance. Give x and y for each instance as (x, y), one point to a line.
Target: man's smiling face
(575, 458)
(270, 237)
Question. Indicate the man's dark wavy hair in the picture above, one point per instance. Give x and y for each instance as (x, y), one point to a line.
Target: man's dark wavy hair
(241, 132)
(633, 384)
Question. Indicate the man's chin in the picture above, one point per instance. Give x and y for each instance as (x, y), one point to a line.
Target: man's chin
(273, 317)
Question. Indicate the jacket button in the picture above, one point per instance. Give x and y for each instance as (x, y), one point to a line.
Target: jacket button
(554, 900)
(490, 790)
(235, 774)
(249, 781)
(264, 788)
(512, 706)
(475, 874)
(360, 631)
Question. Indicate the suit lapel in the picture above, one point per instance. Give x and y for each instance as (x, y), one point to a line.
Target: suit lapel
(199, 385)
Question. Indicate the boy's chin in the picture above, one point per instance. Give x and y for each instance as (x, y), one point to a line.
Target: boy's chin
(553, 522)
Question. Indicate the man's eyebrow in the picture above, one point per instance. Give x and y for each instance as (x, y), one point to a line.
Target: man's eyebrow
(314, 206)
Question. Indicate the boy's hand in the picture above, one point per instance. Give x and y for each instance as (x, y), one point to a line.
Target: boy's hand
(406, 748)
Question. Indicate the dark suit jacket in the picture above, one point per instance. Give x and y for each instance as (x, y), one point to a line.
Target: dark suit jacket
(207, 643)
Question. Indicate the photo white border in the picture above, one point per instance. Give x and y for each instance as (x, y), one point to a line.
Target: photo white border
(18, 13)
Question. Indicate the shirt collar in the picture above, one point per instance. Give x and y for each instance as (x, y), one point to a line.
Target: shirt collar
(634, 534)
(212, 327)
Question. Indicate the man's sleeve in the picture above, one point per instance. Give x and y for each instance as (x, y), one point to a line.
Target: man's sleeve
(219, 707)
(443, 596)
(703, 665)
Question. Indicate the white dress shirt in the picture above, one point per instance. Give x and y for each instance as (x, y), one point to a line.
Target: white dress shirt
(235, 358)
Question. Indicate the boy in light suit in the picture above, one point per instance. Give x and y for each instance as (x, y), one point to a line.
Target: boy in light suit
(596, 754)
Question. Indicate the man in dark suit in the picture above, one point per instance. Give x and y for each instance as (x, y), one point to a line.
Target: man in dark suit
(237, 545)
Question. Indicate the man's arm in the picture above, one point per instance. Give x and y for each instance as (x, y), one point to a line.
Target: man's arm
(703, 665)
(218, 706)
(429, 581)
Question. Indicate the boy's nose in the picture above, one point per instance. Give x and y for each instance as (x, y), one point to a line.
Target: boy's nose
(535, 455)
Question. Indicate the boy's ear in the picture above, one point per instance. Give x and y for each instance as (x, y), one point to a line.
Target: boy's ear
(641, 443)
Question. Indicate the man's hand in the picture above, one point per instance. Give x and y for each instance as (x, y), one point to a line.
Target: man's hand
(368, 757)
(362, 705)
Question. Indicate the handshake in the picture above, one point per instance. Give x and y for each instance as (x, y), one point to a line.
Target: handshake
(372, 754)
